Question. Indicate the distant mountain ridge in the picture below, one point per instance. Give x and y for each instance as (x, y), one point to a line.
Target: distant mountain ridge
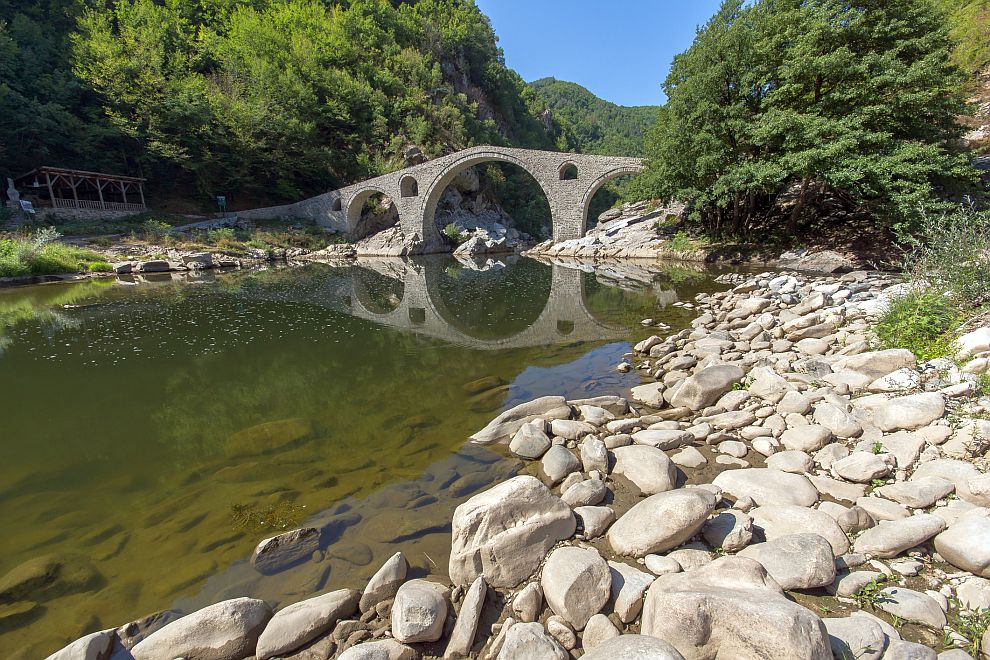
(594, 125)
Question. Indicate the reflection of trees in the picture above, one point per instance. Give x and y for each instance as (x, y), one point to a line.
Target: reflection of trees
(44, 305)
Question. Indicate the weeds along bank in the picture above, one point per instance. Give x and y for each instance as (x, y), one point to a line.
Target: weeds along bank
(781, 486)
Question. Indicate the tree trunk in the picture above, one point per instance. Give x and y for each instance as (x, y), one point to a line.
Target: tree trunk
(798, 207)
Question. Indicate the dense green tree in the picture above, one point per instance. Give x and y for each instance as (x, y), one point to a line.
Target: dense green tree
(969, 26)
(819, 98)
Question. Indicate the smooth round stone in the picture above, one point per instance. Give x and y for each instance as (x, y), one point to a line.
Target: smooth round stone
(797, 462)
(660, 565)
(733, 448)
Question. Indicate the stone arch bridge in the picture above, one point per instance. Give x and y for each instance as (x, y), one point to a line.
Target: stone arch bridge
(569, 181)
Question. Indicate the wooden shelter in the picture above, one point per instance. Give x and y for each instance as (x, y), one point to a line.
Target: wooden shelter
(61, 188)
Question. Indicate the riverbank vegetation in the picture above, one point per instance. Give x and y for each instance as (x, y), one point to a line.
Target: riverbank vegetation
(41, 254)
(948, 284)
(784, 112)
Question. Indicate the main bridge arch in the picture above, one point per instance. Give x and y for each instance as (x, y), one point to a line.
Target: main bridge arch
(569, 181)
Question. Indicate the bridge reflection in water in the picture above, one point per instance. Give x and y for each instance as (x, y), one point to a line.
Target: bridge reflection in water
(421, 308)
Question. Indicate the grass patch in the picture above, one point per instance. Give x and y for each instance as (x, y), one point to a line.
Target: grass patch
(871, 593)
(972, 626)
(922, 322)
(41, 254)
(682, 242)
(454, 234)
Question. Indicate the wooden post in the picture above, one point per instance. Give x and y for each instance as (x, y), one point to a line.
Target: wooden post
(99, 191)
(141, 191)
(72, 182)
(123, 191)
(51, 195)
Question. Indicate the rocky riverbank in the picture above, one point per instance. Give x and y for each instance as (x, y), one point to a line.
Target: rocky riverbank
(776, 489)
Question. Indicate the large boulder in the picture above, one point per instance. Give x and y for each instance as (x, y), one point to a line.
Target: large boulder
(419, 612)
(228, 630)
(908, 413)
(706, 386)
(966, 543)
(576, 583)
(504, 533)
(628, 586)
(385, 649)
(301, 622)
(385, 582)
(766, 486)
(525, 641)
(95, 646)
(891, 538)
(966, 477)
(876, 364)
(505, 425)
(648, 468)
(856, 637)
(971, 343)
(732, 608)
(796, 561)
(661, 522)
(778, 520)
(633, 647)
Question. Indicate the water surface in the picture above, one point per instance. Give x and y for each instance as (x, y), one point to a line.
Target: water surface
(155, 429)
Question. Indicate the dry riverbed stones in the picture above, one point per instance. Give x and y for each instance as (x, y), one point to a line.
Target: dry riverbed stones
(771, 451)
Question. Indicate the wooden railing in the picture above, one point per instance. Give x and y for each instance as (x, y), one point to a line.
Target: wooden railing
(97, 205)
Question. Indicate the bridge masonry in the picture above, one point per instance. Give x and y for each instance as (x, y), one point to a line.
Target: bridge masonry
(569, 182)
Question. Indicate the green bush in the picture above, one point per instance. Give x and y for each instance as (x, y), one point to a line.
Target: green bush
(921, 321)
(454, 234)
(953, 255)
(155, 230)
(100, 267)
(223, 235)
(681, 242)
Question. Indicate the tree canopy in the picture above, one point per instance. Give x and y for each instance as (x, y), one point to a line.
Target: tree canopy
(268, 99)
(810, 99)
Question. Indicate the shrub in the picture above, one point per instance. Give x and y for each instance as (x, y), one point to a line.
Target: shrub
(920, 321)
(953, 255)
(100, 267)
(155, 230)
(454, 234)
(223, 235)
(681, 242)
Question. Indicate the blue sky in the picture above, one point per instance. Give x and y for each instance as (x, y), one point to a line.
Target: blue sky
(619, 49)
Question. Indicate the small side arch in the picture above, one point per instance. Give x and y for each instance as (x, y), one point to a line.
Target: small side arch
(408, 186)
(356, 204)
(568, 172)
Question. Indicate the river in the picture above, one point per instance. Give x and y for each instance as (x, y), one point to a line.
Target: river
(155, 429)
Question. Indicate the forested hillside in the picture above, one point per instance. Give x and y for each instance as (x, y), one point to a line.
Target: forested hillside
(261, 99)
(593, 125)
(969, 26)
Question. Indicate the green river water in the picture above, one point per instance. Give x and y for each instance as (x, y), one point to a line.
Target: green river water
(153, 430)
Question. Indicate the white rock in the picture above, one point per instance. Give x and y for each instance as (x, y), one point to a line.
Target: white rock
(649, 469)
(599, 630)
(661, 522)
(634, 647)
(783, 520)
(861, 467)
(525, 641)
(966, 543)
(559, 462)
(912, 606)
(385, 582)
(891, 538)
(594, 519)
(530, 441)
(732, 609)
(796, 561)
(730, 530)
(856, 637)
(506, 424)
(628, 586)
(909, 412)
(419, 612)
(706, 386)
(662, 438)
(462, 637)
(505, 532)
(594, 455)
(766, 486)
(576, 583)
(226, 630)
(797, 462)
(806, 438)
(528, 603)
(95, 646)
(295, 625)
(385, 649)
(971, 343)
